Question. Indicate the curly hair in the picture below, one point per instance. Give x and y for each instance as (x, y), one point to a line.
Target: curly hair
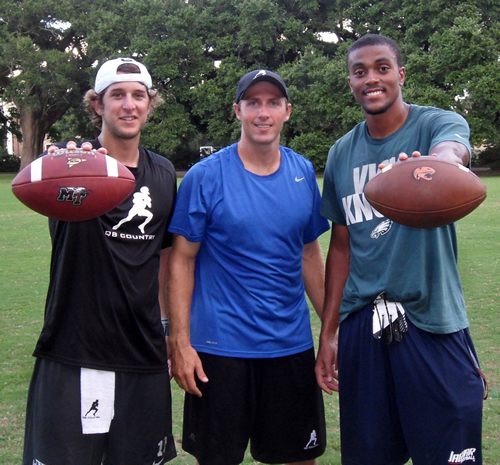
(91, 96)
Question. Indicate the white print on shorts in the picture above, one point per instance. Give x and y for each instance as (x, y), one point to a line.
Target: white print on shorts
(466, 455)
(313, 441)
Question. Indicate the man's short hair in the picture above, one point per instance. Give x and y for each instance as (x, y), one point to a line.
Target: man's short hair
(375, 39)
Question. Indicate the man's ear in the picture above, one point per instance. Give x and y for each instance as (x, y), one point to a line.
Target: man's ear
(402, 74)
(288, 111)
(236, 108)
(98, 107)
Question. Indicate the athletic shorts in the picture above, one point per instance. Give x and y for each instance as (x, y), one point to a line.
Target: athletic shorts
(88, 417)
(420, 398)
(275, 403)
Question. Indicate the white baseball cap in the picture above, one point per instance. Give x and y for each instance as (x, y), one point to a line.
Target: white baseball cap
(108, 74)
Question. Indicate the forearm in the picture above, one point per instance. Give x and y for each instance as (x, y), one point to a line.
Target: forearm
(337, 272)
(313, 273)
(180, 291)
(162, 282)
(186, 364)
(451, 151)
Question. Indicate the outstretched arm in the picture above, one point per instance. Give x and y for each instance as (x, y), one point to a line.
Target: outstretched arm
(454, 152)
(186, 363)
(337, 271)
(451, 151)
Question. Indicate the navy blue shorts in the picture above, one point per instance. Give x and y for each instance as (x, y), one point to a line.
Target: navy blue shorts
(140, 431)
(420, 398)
(275, 403)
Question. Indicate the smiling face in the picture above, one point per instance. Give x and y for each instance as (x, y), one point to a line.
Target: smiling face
(375, 78)
(262, 113)
(124, 109)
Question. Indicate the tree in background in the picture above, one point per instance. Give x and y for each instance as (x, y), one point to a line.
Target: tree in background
(42, 65)
(198, 49)
(452, 51)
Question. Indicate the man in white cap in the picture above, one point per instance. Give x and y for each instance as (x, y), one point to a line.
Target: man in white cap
(103, 347)
(246, 247)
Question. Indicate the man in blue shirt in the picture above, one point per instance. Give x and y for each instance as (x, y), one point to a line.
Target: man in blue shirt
(246, 247)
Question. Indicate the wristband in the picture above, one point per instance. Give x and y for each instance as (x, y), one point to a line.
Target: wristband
(164, 323)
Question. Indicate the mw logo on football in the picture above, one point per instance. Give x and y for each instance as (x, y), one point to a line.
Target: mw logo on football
(424, 172)
(73, 153)
(75, 195)
(72, 161)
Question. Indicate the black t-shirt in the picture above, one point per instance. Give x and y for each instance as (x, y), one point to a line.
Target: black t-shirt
(102, 308)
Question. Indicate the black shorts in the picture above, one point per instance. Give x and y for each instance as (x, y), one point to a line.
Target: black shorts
(140, 427)
(275, 403)
(420, 398)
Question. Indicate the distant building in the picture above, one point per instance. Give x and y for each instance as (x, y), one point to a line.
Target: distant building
(207, 150)
(12, 144)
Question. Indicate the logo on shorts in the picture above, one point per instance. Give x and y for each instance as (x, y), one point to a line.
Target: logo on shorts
(37, 462)
(313, 441)
(162, 448)
(93, 408)
(466, 455)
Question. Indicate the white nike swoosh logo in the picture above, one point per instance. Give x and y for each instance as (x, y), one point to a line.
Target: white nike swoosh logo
(297, 179)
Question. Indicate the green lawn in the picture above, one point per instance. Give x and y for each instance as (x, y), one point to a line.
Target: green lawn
(24, 263)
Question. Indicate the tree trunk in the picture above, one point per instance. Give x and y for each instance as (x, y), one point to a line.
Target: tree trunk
(33, 135)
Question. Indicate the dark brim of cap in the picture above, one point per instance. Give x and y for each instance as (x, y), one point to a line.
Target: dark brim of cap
(254, 77)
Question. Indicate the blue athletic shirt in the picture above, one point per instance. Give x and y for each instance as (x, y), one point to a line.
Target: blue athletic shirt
(417, 267)
(248, 298)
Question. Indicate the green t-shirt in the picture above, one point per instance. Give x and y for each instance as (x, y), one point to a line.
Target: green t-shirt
(417, 267)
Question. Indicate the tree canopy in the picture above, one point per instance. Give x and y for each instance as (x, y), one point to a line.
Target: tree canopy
(197, 50)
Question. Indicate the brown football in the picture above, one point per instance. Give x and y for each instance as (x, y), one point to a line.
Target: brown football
(425, 192)
(73, 185)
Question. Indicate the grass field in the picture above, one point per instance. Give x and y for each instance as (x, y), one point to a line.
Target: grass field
(24, 264)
